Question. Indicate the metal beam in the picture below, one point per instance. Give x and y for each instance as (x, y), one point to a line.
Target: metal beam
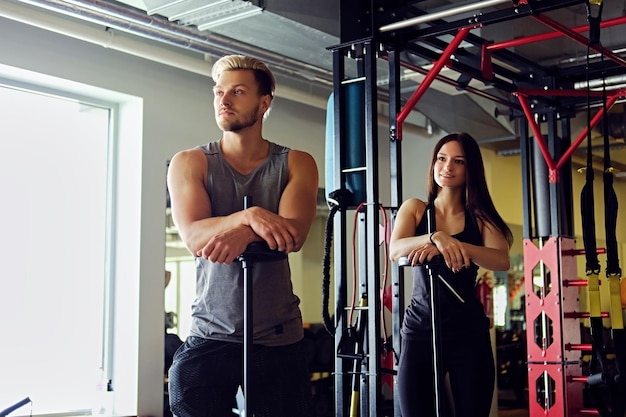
(440, 15)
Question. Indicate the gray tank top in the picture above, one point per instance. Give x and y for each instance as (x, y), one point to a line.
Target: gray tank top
(217, 312)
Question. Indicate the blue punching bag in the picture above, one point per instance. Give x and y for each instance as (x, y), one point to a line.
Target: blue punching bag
(353, 144)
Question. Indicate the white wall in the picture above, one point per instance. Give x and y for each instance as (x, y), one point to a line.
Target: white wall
(175, 111)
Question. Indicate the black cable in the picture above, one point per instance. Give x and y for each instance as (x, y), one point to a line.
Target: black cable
(337, 200)
(328, 237)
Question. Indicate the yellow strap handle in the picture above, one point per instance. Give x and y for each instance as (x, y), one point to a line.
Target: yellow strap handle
(593, 295)
(354, 404)
(615, 301)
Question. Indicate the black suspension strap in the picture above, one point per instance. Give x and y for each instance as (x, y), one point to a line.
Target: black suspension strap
(337, 200)
(597, 364)
(617, 373)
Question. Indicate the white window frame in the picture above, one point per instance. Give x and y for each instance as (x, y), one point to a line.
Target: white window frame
(121, 353)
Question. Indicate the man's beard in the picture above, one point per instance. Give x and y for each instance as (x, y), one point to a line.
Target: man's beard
(247, 120)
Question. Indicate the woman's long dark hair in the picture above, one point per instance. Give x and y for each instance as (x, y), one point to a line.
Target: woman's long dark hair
(477, 198)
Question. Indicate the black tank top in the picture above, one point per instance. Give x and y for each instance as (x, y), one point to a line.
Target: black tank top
(455, 317)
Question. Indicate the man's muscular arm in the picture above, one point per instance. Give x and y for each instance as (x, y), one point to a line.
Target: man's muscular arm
(287, 230)
(191, 209)
(298, 204)
(222, 239)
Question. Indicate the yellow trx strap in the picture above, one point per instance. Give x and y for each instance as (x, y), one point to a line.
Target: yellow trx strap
(593, 294)
(617, 319)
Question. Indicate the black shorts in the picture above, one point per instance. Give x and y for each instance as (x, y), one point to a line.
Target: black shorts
(206, 374)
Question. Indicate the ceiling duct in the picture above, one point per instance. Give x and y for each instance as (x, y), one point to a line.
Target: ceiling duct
(254, 25)
(113, 15)
(202, 13)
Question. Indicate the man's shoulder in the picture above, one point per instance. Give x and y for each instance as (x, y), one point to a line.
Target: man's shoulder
(299, 157)
(190, 153)
(189, 157)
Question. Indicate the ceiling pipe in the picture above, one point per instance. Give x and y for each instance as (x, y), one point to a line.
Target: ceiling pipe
(430, 17)
(610, 82)
(154, 28)
(107, 39)
(124, 18)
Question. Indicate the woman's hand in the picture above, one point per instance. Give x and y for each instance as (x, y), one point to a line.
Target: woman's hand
(422, 254)
(453, 251)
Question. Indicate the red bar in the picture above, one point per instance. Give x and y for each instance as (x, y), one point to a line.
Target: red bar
(575, 282)
(579, 38)
(552, 167)
(430, 77)
(579, 346)
(552, 35)
(561, 93)
(581, 378)
(456, 84)
(486, 66)
(582, 315)
(538, 136)
(594, 121)
(576, 252)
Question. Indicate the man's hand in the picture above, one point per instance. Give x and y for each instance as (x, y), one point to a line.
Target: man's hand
(226, 246)
(276, 231)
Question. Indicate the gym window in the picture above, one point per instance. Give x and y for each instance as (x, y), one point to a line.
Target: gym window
(56, 182)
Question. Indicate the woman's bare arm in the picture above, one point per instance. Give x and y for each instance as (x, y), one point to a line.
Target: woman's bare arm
(403, 239)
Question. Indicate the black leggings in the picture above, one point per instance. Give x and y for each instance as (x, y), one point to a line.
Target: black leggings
(469, 365)
(204, 378)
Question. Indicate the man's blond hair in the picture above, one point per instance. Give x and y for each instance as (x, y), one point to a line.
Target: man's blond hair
(262, 74)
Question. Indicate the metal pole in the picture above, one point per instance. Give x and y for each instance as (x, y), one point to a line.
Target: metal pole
(14, 407)
(434, 302)
(248, 334)
(439, 15)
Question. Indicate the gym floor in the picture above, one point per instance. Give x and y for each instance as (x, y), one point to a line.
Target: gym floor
(522, 412)
(511, 405)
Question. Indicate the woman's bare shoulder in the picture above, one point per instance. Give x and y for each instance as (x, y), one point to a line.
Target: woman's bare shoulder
(414, 204)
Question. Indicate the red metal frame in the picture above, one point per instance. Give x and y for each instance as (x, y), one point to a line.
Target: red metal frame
(579, 38)
(430, 77)
(552, 166)
(551, 35)
(486, 67)
(553, 359)
(453, 83)
(558, 360)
